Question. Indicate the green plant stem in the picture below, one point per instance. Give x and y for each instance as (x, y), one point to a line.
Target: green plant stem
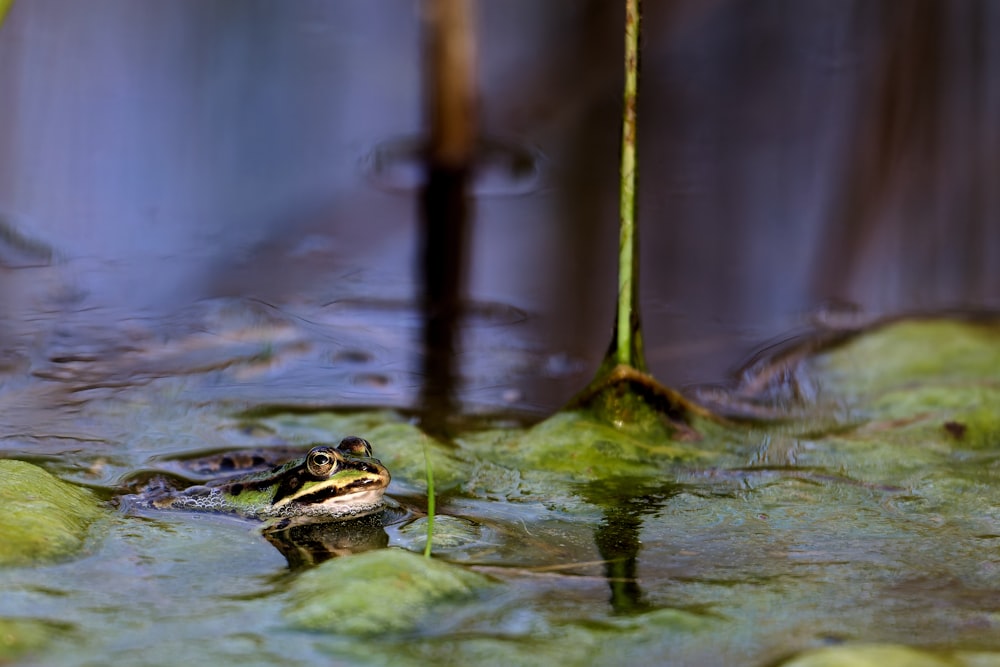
(4, 6)
(623, 393)
(430, 502)
(628, 348)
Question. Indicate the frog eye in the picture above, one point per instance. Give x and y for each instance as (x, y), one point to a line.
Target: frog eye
(321, 461)
(352, 444)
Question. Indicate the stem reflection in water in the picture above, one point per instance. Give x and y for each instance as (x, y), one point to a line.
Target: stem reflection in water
(617, 536)
(449, 91)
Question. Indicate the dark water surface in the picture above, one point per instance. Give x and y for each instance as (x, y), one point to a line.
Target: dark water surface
(171, 153)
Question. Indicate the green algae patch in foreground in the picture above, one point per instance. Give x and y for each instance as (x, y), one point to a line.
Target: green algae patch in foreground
(20, 636)
(390, 590)
(891, 655)
(44, 519)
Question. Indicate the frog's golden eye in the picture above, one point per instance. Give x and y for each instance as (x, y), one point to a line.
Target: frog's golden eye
(321, 461)
(355, 446)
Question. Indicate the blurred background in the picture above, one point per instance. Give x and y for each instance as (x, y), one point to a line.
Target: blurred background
(799, 160)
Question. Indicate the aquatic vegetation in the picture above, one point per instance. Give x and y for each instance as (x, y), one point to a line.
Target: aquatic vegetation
(44, 519)
(868, 515)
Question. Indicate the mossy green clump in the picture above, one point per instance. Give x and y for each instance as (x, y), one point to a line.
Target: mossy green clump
(20, 636)
(977, 426)
(575, 446)
(961, 417)
(4, 6)
(44, 519)
(890, 655)
(641, 639)
(912, 353)
(390, 590)
(935, 383)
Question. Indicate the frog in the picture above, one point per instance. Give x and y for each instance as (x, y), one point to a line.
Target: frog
(328, 503)
(330, 483)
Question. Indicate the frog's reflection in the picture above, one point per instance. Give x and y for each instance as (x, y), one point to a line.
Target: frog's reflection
(305, 541)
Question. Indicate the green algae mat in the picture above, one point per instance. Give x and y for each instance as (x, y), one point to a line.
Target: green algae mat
(843, 509)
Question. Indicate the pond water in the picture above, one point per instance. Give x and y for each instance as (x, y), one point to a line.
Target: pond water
(871, 519)
(209, 235)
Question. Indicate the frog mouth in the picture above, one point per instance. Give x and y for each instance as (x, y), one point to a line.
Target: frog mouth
(358, 491)
(358, 498)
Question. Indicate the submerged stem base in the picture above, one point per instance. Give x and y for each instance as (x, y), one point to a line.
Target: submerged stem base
(631, 399)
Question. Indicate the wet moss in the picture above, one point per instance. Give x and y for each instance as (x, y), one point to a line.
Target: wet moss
(890, 655)
(579, 448)
(23, 636)
(390, 590)
(912, 353)
(44, 518)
